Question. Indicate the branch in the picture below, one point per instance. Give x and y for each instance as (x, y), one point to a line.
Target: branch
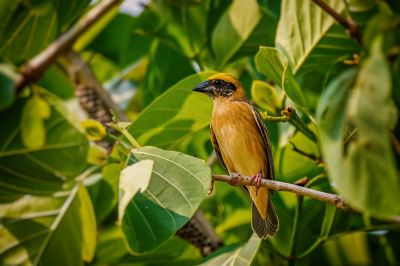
(290, 115)
(348, 23)
(83, 76)
(34, 68)
(333, 199)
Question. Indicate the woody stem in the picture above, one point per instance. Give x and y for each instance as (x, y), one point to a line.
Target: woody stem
(330, 198)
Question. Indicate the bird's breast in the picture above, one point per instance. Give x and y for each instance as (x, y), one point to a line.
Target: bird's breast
(238, 137)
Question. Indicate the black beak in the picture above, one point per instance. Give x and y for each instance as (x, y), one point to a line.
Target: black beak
(205, 87)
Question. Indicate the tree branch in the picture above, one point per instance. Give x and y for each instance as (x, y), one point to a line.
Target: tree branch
(333, 199)
(35, 67)
(348, 23)
(81, 73)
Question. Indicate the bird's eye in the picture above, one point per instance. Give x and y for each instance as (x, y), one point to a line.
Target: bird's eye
(218, 82)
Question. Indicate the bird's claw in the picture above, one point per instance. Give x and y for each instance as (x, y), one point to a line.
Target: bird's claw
(256, 179)
(234, 179)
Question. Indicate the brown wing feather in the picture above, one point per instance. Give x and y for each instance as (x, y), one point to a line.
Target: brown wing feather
(264, 133)
(270, 225)
(214, 142)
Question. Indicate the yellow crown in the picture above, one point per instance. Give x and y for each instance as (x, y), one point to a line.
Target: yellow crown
(227, 78)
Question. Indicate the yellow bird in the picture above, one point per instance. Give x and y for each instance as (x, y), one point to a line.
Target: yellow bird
(240, 139)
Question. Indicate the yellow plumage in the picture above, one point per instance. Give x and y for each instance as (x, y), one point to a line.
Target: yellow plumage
(242, 151)
(240, 139)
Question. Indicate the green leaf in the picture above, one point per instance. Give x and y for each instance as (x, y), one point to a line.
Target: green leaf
(262, 35)
(370, 156)
(31, 28)
(358, 172)
(33, 131)
(7, 9)
(103, 190)
(265, 96)
(56, 81)
(89, 227)
(174, 116)
(8, 78)
(45, 169)
(329, 218)
(87, 37)
(134, 178)
(47, 230)
(234, 28)
(306, 35)
(113, 41)
(178, 184)
(160, 77)
(112, 251)
(275, 66)
(241, 256)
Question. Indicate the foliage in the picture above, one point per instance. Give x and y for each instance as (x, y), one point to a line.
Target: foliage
(65, 200)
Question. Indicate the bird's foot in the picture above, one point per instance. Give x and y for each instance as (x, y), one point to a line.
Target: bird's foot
(234, 179)
(256, 179)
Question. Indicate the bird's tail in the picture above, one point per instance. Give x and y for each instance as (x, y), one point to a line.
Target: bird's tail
(269, 226)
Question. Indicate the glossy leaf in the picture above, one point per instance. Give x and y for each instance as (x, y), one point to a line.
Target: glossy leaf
(177, 186)
(174, 116)
(45, 169)
(241, 256)
(305, 34)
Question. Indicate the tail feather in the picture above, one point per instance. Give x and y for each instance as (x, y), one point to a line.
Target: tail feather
(269, 226)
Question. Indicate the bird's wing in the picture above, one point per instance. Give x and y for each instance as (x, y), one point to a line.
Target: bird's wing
(264, 133)
(216, 147)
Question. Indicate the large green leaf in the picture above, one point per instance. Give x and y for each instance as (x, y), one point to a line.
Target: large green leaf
(241, 256)
(275, 66)
(177, 186)
(306, 35)
(160, 77)
(111, 250)
(263, 34)
(174, 116)
(42, 170)
(46, 230)
(33, 27)
(365, 173)
(234, 28)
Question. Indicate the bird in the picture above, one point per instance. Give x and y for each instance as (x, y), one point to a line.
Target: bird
(241, 143)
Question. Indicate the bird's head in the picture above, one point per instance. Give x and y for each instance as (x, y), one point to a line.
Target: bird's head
(222, 86)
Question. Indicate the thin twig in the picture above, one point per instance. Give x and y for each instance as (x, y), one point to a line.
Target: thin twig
(333, 199)
(34, 68)
(313, 157)
(348, 23)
